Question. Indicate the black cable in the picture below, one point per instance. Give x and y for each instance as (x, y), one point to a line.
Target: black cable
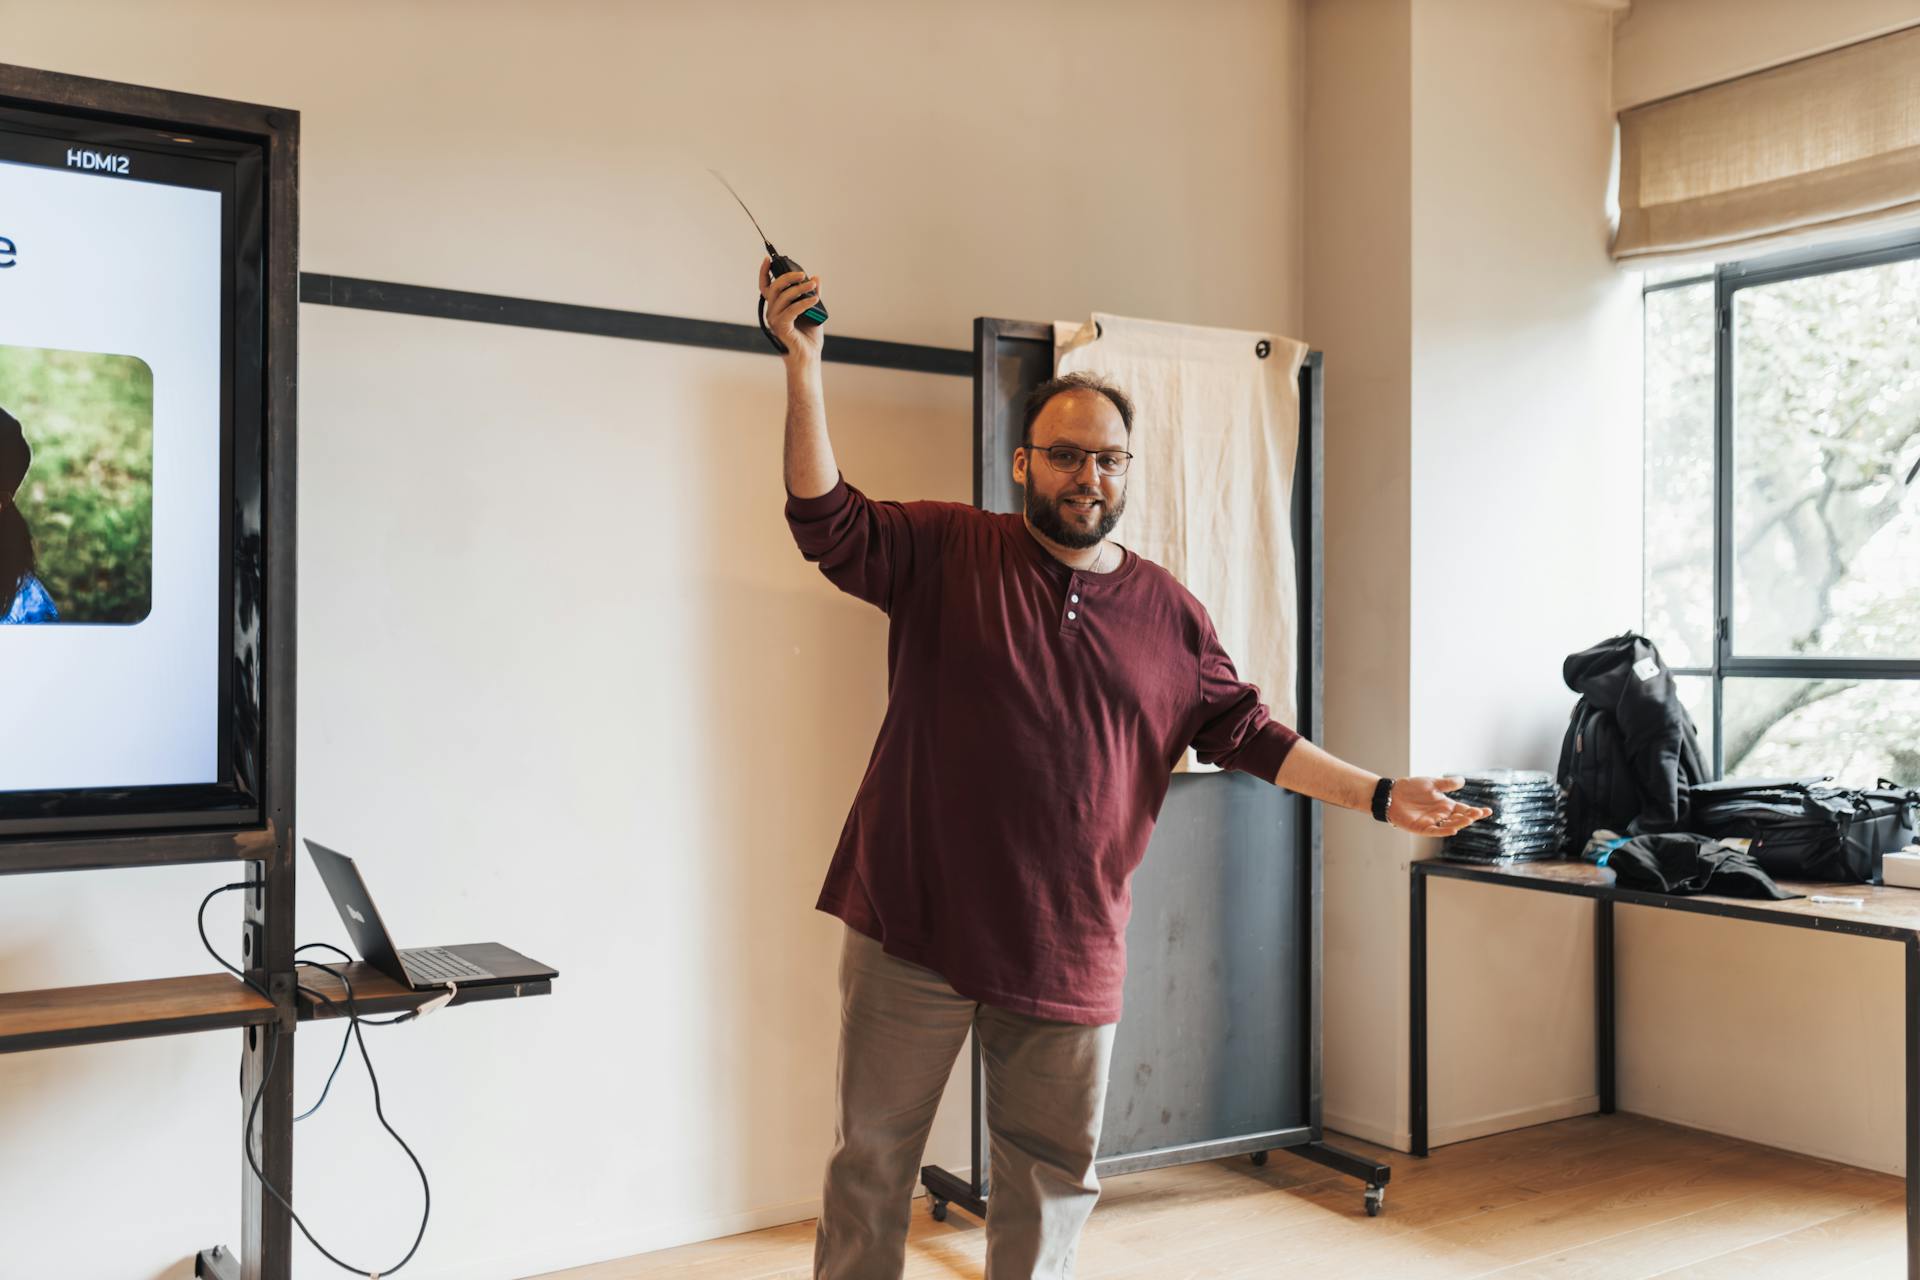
(778, 345)
(202, 921)
(397, 1019)
(355, 1020)
(246, 1146)
(266, 1076)
(346, 1038)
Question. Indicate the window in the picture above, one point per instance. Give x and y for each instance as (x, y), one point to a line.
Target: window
(1782, 554)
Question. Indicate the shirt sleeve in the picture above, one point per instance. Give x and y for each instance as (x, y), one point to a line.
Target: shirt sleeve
(871, 549)
(1236, 731)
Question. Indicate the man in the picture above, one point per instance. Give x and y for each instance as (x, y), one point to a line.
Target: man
(1043, 681)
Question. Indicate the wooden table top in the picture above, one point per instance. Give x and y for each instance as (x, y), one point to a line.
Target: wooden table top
(1885, 911)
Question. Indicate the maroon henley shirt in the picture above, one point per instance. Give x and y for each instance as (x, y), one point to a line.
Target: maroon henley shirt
(1034, 716)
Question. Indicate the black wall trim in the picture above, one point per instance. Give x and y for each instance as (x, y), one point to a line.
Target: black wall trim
(605, 322)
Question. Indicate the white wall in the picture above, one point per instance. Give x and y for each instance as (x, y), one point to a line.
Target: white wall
(1526, 509)
(564, 681)
(1359, 212)
(1457, 259)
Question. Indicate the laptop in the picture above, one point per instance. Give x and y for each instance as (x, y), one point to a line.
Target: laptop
(421, 968)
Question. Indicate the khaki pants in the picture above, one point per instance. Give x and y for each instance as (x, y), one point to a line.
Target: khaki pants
(901, 1027)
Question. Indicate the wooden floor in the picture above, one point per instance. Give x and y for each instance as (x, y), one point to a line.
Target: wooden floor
(1598, 1196)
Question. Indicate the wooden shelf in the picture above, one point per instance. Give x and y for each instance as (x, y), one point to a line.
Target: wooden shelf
(128, 1011)
(375, 993)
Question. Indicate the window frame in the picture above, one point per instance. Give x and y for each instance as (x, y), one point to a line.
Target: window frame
(1728, 279)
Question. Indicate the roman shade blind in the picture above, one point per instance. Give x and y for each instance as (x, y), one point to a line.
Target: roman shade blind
(1829, 143)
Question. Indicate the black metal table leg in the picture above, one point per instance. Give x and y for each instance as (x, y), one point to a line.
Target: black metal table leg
(1603, 1011)
(1417, 1002)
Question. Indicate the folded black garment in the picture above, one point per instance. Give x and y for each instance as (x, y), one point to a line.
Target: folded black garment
(1680, 863)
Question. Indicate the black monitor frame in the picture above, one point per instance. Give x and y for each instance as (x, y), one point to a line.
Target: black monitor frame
(249, 153)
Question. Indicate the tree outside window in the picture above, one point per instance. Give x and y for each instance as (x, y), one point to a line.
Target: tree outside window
(1782, 570)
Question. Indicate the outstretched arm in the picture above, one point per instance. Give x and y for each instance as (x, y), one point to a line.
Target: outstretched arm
(1418, 805)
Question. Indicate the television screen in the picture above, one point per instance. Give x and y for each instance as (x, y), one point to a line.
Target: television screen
(130, 420)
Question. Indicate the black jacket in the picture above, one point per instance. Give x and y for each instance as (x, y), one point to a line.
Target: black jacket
(1679, 863)
(1625, 678)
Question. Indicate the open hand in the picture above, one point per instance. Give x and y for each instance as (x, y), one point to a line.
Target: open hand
(1421, 806)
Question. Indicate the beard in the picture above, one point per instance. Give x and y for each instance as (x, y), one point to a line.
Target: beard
(1045, 515)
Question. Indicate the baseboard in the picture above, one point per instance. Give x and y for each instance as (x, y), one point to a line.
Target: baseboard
(1440, 1135)
(1850, 1158)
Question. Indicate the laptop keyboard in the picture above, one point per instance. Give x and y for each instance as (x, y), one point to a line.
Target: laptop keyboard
(437, 964)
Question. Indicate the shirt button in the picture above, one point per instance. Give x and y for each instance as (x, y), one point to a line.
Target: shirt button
(1071, 615)
(1076, 599)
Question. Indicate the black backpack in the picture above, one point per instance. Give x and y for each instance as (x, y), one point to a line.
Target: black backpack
(1599, 788)
(1609, 781)
(1807, 828)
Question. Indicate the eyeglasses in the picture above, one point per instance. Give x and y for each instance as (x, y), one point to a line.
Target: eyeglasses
(1070, 457)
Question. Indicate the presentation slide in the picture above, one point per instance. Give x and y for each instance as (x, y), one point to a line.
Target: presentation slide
(110, 479)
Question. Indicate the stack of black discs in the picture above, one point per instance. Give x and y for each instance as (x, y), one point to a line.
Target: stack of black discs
(1529, 820)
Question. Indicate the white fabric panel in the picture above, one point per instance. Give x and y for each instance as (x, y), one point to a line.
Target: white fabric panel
(1209, 496)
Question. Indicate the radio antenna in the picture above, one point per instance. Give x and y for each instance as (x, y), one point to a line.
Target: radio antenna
(778, 266)
(743, 208)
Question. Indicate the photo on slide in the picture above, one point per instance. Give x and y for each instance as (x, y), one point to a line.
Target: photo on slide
(76, 487)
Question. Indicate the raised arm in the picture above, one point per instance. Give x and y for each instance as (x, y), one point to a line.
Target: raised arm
(872, 549)
(810, 468)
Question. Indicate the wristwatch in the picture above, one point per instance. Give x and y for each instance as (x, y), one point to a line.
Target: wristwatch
(1382, 796)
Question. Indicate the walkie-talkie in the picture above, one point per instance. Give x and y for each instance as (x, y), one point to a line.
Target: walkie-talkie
(781, 265)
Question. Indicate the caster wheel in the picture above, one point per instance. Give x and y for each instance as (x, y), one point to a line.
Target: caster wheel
(1375, 1195)
(939, 1210)
(1260, 1159)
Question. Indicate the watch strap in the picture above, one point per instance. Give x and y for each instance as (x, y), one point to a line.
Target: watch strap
(1382, 796)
